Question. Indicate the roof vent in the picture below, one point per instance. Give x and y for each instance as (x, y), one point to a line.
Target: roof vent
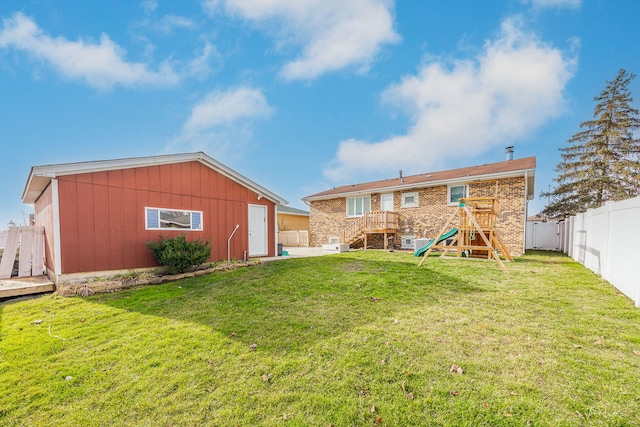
(509, 152)
(401, 177)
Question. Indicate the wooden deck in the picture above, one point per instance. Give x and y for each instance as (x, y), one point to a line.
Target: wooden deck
(375, 222)
(19, 286)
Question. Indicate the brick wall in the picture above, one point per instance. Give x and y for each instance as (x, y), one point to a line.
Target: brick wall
(328, 217)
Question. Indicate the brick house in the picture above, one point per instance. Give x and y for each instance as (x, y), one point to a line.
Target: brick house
(397, 211)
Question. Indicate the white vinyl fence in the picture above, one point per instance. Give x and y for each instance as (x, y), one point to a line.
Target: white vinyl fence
(607, 241)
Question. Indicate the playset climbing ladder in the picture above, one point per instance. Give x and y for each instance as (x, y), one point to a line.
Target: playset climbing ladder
(477, 236)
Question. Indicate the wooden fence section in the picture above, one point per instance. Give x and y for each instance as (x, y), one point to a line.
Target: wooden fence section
(294, 238)
(30, 241)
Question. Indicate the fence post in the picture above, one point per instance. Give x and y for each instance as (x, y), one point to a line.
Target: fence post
(9, 253)
(607, 241)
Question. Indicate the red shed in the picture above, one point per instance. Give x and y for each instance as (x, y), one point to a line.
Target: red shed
(99, 215)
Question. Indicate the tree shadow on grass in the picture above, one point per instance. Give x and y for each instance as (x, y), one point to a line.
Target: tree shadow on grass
(295, 303)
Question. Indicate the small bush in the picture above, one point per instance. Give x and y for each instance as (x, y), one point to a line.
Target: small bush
(179, 255)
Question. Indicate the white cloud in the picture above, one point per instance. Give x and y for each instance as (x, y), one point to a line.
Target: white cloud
(571, 4)
(149, 5)
(223, 108)
(222, 121)
(332, 34)
(168, 23)
(101, 64)
(514, 86)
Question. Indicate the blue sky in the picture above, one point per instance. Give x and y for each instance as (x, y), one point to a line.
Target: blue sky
(301, 96)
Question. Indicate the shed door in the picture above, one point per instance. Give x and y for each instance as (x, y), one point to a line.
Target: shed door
(386, 202)
(257, 230)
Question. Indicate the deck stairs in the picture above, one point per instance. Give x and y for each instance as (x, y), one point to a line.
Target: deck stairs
(376, 222)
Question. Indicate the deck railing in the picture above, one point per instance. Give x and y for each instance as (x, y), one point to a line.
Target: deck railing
(378, 221)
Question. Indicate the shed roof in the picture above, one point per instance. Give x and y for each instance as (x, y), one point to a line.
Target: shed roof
(40, 176)
(292, 211)
(507, 169)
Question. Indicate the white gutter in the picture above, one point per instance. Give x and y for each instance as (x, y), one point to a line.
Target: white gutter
(275, 229)
(57, 245)
(526, 211)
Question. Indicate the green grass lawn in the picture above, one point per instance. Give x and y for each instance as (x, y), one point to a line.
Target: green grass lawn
(355, 339)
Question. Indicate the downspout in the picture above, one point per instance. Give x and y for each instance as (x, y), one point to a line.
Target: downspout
(229, 243)
(57, 245)
(309, 234)
(526, 211)
(276, 232)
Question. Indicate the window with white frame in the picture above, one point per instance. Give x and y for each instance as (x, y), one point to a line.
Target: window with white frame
(357, 206)
(455, 192)
(409, 200)
(165, 219)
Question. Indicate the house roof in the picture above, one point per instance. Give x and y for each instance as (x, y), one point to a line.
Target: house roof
(292, 211)
(507, 169)
(40, 176)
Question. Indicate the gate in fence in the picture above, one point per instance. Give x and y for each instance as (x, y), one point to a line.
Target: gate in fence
(543, 235)
(27, 245)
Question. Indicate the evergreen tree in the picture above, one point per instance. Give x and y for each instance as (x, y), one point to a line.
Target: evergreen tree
(602, 161)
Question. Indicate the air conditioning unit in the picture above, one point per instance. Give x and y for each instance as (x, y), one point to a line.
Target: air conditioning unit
(337, 248)
(408, 242)
(420, 243)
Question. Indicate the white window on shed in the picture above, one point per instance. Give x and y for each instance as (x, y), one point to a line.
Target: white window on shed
(166, 219)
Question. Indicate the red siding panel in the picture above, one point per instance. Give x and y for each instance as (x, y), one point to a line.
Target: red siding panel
(132, 225)
(165, 179)
(116, 207)
(115, 178)
(102, 225)
(84, 238)
(166, 200)
(207, 181)
(101, 178)
(176, 178)
(152, 178)
(68, 197)
(195, 187)
(175, 203)
(129, 178)
(86, 178)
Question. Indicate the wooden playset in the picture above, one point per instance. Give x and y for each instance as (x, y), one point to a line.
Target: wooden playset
(475, 236)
